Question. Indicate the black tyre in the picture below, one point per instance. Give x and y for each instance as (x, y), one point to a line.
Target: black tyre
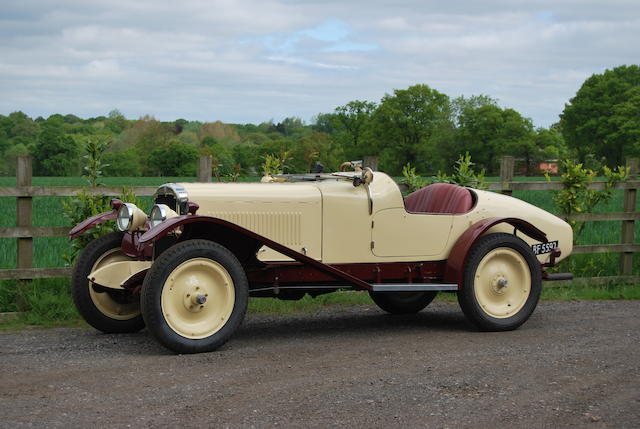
(109, 312)
(194, 296)
(402, 302)
(502, 282)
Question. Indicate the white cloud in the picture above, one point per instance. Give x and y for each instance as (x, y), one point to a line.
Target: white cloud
(254, 60)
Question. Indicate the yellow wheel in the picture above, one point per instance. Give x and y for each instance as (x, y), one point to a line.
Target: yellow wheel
(501, 284)
(197, 298)
(109, 311)
(109, 303)
(194, 296)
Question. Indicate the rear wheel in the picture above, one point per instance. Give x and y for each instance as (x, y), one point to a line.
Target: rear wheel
(502, 283)
(194, 296)
(108, 311)
(402, 302)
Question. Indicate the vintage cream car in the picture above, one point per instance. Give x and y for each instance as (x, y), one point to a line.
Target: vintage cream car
(187, 270)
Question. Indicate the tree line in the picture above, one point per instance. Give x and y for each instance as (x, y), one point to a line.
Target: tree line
(417, 125)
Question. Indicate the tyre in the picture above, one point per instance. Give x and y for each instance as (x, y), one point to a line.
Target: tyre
(194, 296)
(112, 311)
(502, 282)
(402, 302)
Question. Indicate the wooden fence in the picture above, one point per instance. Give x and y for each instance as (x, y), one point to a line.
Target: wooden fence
(24, 232)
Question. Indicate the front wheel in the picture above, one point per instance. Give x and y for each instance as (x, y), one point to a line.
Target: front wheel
(110, 311)
(194, 296)
(502, 282)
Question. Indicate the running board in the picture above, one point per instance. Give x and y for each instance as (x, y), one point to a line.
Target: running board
(413, 287)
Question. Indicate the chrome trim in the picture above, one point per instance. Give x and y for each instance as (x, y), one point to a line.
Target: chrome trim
(163, 214)
(174, 189)
(129, 209)
(178, 192)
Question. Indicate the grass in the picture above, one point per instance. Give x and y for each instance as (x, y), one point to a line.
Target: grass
(51, 304)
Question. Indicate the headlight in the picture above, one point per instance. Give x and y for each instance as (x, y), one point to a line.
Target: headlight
(160, 213)
(130, 217)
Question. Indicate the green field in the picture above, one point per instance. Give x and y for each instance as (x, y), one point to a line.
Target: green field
(48, 250)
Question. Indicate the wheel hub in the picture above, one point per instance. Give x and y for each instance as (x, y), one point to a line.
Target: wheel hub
(194, 300)
(499, 284)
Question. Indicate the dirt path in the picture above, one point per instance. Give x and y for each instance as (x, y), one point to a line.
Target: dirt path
(573, 364)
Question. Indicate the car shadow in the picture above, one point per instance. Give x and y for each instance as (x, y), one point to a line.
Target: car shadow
(366, 322)
(352, 323)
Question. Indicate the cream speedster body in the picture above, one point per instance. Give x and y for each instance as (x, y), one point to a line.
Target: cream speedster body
(312, 235)
(329, 220)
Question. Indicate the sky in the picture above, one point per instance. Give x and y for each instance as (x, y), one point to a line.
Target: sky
(258, 60)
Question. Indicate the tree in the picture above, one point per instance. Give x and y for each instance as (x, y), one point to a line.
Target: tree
(316, 147)
(488, 131)
(462, 104)
(352, 121)
(116, 122)
(405, 125)
(55, 154)
(175, 159)
(551, 143)
(122, 163)
(604, 116)
(324, 123)
(219, 131)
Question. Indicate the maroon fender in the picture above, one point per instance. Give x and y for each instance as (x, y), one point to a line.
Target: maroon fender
(89, 223)
(460, 250)
(171, 224)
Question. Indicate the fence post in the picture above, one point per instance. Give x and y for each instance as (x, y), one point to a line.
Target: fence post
(506, 174)
(628, 226)
(24, 256)
(204, 168)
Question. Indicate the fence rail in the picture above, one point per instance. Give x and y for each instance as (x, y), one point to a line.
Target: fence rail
(24, 232)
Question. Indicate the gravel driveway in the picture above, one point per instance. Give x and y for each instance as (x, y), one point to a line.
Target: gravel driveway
(572, 364)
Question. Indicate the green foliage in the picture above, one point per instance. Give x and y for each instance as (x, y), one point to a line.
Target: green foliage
(405, 126)
(604, 116)
(275, 164)
(489, 132)
(464, 174)
(576, 197)
(411, 179)
(56, 154)
(174, 159)
(85, 205)
(351, 123)
(121, 163)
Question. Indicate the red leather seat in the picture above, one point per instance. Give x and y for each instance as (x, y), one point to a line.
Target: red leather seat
(439, 198)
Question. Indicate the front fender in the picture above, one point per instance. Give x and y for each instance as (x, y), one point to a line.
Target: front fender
(89, 223)
(460, 250)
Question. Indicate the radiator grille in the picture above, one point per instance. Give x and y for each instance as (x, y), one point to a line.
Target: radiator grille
(282, 227)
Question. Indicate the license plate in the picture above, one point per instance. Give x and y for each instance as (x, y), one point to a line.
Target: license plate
(542, 248)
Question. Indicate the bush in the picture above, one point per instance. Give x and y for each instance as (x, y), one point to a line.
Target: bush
(175, 159)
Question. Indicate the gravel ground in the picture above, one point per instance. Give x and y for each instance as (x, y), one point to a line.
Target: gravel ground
(572, 364)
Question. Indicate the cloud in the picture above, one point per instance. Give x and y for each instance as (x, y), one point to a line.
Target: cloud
(254, 60)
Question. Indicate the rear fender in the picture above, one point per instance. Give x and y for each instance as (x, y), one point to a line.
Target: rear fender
(460, 250)
(241, 241)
